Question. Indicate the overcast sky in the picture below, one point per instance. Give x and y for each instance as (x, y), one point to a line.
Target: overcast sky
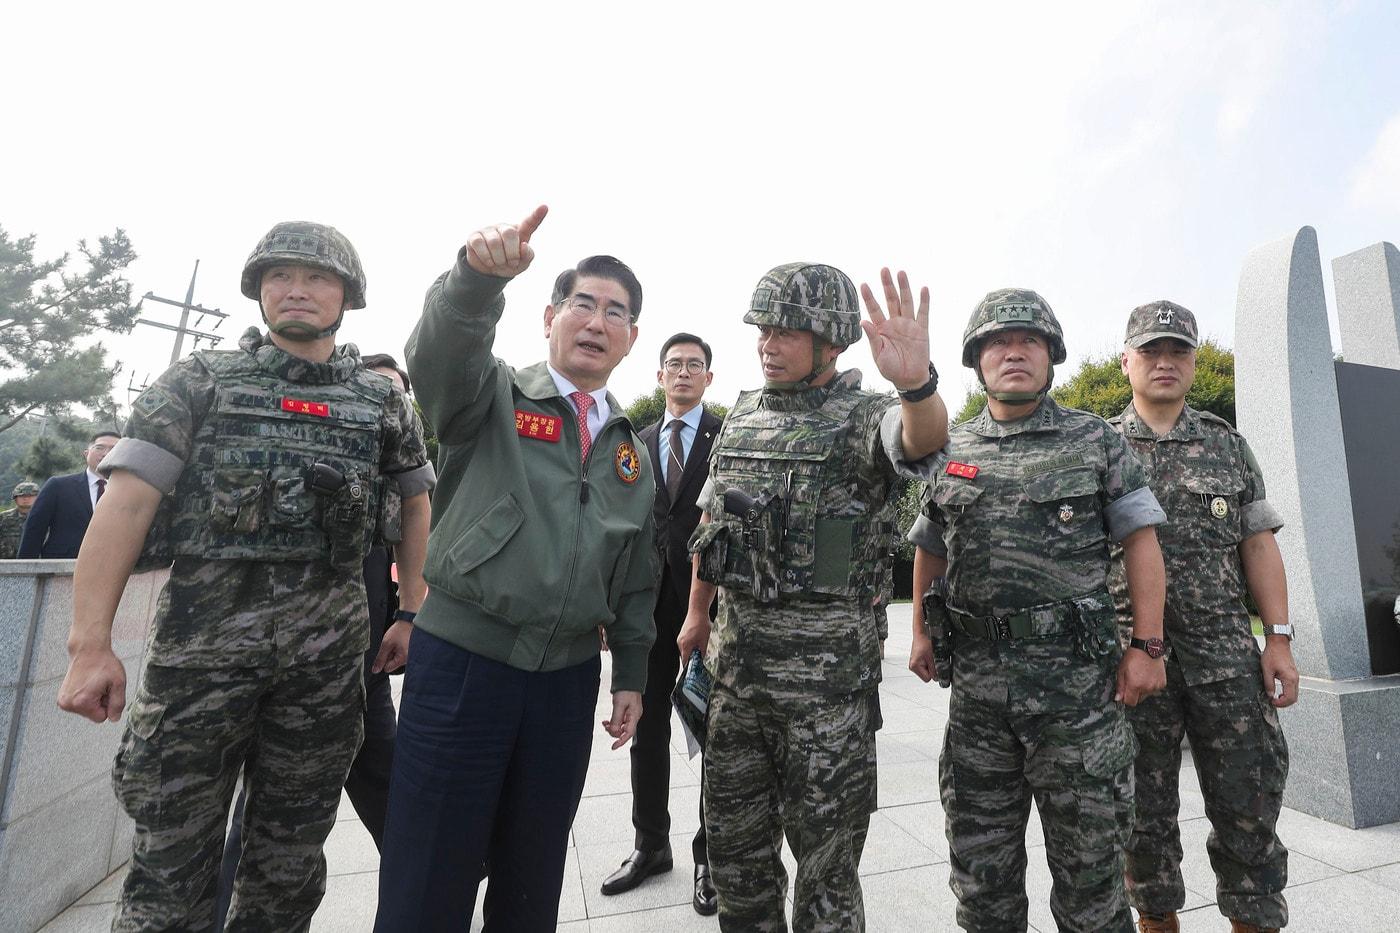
(1102, 154)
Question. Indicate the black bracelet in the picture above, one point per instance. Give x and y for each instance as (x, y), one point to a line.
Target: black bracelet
(403, 615)
(923, 391)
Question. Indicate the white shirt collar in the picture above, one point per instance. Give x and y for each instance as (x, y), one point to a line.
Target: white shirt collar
(567, 388)
(690, 418)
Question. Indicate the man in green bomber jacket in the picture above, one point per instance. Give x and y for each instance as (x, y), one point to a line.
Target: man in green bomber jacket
(542, 534)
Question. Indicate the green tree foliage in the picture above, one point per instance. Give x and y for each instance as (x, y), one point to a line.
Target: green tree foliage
(50, 456)
(906, 512)
(14, 444)
(46, 311)
(649, 409)
(1099, 386)
(970, 407)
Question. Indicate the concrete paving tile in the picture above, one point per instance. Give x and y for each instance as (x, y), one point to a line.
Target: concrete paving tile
(1199, 876)
(606, 818)
(350, 849)
(349, 905)
(908, 782)
(912, 900)
(922, 821)
(674, 919)
(1332, 905)
(1387, 876)
(897, 749)
(667, 889)
(95, 918)
(611, 775)
(1348, 849)
(572, 905)
(907, 719)
(889, 848)
(106, 891)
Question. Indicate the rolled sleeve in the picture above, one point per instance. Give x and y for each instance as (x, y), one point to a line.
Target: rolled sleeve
(1130, 512)
(892, 440)
(146, 461)
(927, 535)
(419, 480)
(1258, 516)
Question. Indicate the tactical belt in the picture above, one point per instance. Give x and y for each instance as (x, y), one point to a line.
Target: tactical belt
(1050, 619)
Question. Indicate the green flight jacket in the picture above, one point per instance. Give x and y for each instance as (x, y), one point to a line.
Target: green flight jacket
(531, 550)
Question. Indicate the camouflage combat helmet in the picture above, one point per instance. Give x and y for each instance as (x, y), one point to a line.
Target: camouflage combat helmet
(811, 297)
(25, 488)
(320, 246)
(1012, 309)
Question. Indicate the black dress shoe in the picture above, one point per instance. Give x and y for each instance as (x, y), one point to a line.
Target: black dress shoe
(636, 868)
(706, 901)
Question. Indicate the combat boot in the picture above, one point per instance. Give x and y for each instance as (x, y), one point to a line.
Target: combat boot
(1239, 926)
(1158, 923)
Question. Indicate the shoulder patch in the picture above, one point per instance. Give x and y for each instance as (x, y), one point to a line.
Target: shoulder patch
(627, 464)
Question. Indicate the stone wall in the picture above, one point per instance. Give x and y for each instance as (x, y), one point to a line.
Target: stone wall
(61, 831)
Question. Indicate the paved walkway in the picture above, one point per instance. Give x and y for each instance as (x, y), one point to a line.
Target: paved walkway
(1339, 879)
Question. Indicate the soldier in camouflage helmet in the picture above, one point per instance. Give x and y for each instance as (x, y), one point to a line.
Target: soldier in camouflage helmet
(1013, 550)
(263, 473)
(12, 520)
(1218, 544)
(804, 478)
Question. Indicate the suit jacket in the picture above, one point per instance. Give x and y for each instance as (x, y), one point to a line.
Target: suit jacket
(675, 521)
(59, 518)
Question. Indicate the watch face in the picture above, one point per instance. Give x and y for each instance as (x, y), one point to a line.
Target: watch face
(1154, 647)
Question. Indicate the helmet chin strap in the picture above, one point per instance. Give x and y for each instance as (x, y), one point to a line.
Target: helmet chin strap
(300, 331)
(1017, 398)
(819, 366)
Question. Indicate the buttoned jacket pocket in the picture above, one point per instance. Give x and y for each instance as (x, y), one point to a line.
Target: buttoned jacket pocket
(1066, 508)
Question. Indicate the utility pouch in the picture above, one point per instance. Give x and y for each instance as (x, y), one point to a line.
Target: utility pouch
(711, 542)
(1093, 626)
(940, 630)
(761, 537)
(344, 499)
(388, 524)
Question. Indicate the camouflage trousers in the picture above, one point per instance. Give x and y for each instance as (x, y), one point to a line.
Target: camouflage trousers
(804, 767)
(1075, 764)
(294, 733)
(1242, 762)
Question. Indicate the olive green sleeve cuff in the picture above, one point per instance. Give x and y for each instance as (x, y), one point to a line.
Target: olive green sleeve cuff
(1136, 510)
(145, 460)
(892, 440)
(1259, 516)
(928, 536)
(415, 481)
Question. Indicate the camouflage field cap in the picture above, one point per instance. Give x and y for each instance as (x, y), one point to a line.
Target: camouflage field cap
(25, 488)
(1158, 319)
(808, 296)
(306, 244)
(1012, 309)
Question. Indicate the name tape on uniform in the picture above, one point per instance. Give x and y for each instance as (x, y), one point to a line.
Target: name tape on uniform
(319, 409)
(965, 470)
(540, 427)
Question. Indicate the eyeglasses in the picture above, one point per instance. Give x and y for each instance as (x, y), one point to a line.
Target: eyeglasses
(586, 307)
(694, 367)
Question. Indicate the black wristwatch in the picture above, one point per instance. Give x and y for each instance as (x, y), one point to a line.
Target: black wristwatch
(1154, 647)
(403, 615)
(923, 391)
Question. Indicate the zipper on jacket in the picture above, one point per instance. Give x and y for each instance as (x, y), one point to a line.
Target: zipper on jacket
(583, 491)
(578, 531)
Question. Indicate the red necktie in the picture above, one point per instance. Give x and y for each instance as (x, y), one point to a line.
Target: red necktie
(582, 402)
(101, 488)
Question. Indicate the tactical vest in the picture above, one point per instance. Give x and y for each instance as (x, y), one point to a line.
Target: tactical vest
(279, 470)
(827, 541)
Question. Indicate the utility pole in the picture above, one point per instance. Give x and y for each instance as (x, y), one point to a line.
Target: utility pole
(183, 328)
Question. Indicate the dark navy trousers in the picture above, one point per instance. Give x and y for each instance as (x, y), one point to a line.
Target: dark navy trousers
(489, 766)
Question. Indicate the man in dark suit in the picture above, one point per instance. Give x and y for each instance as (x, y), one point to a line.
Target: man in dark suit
(60, 515)
(679, 445)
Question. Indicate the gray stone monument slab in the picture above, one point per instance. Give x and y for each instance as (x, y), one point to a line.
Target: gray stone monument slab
(1341, 733)
(1286, 403)
(1367, 285)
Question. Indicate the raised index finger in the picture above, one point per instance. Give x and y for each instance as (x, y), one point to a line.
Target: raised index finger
(530, 224)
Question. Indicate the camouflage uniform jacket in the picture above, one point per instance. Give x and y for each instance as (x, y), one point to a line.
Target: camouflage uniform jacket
(11, 527)
(836, 453)
(532, 549)
(1024, 511)
(248, 612)
(1203, 473)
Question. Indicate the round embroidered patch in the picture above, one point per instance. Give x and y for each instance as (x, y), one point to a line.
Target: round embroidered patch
(627, 463)
(1219, 507)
